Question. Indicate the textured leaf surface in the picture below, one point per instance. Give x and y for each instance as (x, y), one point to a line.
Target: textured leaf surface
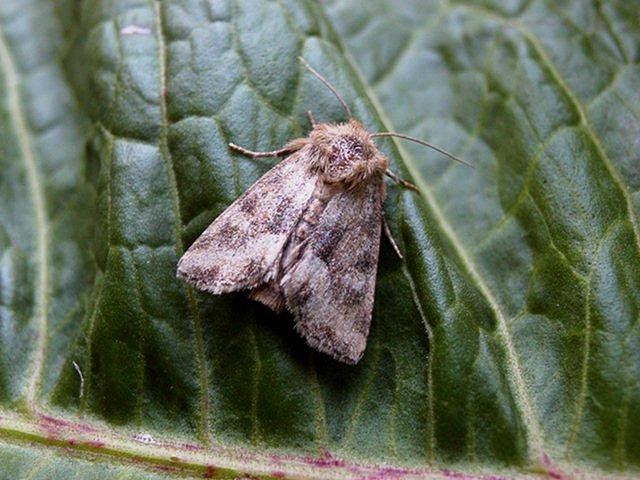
(507, 342)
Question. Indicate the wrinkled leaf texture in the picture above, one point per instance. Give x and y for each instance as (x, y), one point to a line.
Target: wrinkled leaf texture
(506, 343)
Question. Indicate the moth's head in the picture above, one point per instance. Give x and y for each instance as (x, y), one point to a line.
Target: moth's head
(347, 152)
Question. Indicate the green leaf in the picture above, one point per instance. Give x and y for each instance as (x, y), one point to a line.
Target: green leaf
(506, 342)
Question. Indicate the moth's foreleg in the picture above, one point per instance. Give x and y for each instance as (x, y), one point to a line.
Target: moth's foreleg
(387, 232)
(284, 151)
(312, 119)
(400, 181)
(288, 149)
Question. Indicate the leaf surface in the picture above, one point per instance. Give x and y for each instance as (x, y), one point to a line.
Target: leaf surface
(507, 341)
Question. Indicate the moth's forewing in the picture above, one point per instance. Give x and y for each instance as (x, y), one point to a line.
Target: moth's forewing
(241, 247)
(330, 289)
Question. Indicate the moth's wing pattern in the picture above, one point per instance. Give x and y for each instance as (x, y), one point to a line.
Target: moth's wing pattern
(240, 248)
(330, 289)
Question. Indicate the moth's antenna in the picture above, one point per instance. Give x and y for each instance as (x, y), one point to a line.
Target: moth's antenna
(328, 85)
(422, 142)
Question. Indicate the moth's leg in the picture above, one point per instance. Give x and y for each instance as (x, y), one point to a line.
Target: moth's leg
(312, 119)
(274, 153)
(387, 232)
(400, 181)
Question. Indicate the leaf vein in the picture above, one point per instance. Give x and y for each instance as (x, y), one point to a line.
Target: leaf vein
(579, 109)
(430, 440)
(199, 348)
(36, 192)
(521, 394)
(584, 373)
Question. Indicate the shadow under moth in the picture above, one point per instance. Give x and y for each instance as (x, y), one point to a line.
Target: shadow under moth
(306, 236)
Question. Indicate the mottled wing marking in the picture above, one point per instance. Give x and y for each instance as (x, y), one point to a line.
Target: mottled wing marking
(330, 289)
(241, 247)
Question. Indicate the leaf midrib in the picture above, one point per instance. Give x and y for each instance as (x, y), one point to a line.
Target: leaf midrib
(88, 441)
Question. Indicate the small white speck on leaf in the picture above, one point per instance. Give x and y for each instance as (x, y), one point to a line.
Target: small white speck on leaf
(143, 438)
(135, 30)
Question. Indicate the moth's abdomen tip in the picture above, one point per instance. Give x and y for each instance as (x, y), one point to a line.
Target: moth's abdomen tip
(344, 351)
(354, 355)
(350, 360)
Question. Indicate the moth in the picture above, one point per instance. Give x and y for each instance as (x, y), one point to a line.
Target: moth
(306, 236)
